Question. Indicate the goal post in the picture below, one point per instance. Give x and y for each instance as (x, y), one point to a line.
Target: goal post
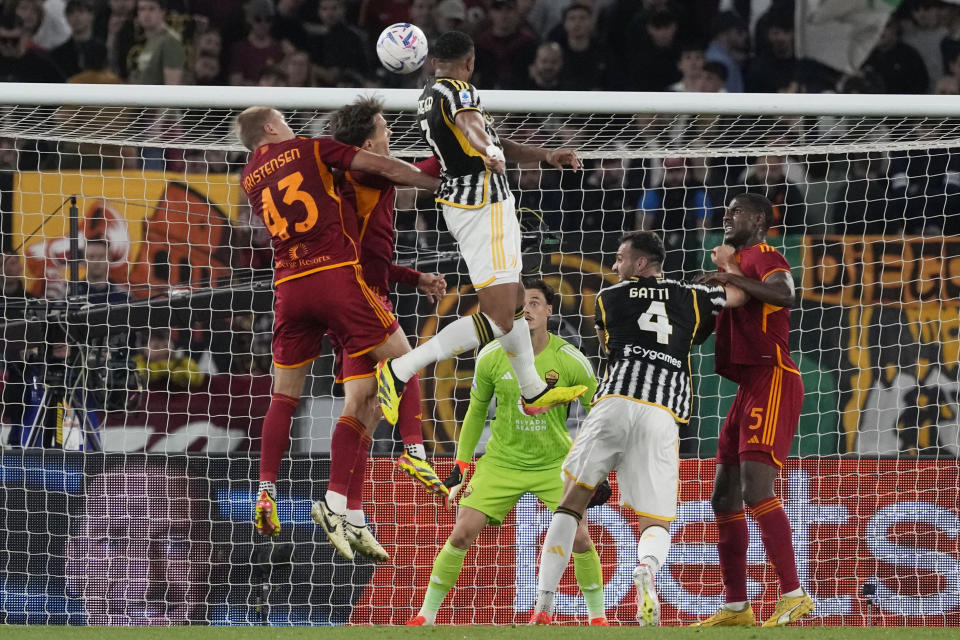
(867, 197)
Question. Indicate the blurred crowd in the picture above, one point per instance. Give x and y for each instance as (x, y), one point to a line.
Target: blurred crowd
(629, 45)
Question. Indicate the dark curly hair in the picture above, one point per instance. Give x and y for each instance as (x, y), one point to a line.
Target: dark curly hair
(452, 45)
(353, 123)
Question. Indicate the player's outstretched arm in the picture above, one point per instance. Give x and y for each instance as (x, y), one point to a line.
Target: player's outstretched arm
(559, 158)
(394, 170)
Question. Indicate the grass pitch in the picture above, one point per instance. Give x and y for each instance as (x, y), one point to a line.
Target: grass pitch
(468, 633)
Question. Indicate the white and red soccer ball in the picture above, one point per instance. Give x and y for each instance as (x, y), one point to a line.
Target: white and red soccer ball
(402, 48)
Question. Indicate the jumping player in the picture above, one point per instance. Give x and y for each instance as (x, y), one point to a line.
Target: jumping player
(319, 286)
(362, 125)
(479, 211)
(647, 325)
(753, 350)
(523, 455)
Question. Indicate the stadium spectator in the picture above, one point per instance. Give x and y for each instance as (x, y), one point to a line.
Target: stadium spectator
(140, 552)
(896, 63)
(690, 64)
(288, 26)
(422, 15)
(210, 43)
(206, 70)
(924, 30)
(44, 22)
(730, 47)
(678, 210)
(161, 61)
(162, 366)
(298, 69)
(545, 73)
(338, 48)
(116, 27)
(71, 56)
(18, 61)
(652, 61)
(450, 15)
(250, 57)
(858, 202)
(948, 85)
(584, 55)
(714, 78)
(767, 176)
(923, 188)
(505, 48)
(775, 60)
(273, 76)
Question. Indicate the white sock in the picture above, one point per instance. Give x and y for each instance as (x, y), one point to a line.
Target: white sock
(544, 602)
(555, 556)
(416, 450)
(356, 517)
(455, 338)
(736, 606)
(519, 350)
(269, 487)
(428, 617)
(336, 501)
(796, 593)
(653, 547)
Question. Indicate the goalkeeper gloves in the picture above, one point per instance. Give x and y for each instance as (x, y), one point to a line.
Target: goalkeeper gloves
(600, 495)
(455, 480)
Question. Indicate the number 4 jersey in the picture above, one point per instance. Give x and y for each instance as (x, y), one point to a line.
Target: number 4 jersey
(290, 185)
(648, 326)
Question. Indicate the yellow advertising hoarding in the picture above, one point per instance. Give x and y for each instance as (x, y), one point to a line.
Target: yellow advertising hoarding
(162, 229)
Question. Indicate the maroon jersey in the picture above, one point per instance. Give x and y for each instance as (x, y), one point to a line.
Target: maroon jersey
(756, 333)
(373, 198)
(289, 183)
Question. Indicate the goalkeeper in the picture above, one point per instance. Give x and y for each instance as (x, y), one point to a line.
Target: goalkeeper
(525, 453)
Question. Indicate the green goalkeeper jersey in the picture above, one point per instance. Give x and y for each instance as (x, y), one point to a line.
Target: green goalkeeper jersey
(519, 441)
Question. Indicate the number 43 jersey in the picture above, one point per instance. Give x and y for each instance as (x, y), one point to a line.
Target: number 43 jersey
(648, 326)
(290, 186)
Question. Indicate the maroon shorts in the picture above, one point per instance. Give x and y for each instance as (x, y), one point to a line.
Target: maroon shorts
(337, 300)
(363, 366)
(763, 419)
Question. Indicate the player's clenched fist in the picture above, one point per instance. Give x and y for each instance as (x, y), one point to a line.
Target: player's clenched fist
(433, 285)
(560, 158)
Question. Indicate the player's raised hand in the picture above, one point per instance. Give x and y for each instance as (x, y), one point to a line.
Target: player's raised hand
(561, 158)
(454, 482)
(433, 285)
(723, 256)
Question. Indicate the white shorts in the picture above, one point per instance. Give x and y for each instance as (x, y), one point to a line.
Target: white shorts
(641, 442)
(489, 239)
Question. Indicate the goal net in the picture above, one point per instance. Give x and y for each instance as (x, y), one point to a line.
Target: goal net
(136, 357)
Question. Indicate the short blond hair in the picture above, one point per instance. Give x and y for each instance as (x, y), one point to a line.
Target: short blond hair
(249, 125)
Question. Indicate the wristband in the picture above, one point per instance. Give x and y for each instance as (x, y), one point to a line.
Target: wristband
(493, 151)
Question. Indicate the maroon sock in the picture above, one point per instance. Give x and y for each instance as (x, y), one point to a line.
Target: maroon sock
(344, 442)
(275, 436)
(411, 414)
(732, 550)
(355, 490)
(778, 541)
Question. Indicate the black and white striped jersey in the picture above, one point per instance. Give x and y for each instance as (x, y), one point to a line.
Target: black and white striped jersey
(465, 180)
(648, 326)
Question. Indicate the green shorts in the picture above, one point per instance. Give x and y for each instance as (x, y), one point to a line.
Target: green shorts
(495, 490)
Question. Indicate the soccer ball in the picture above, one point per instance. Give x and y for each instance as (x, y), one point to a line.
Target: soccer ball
(402, 48)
